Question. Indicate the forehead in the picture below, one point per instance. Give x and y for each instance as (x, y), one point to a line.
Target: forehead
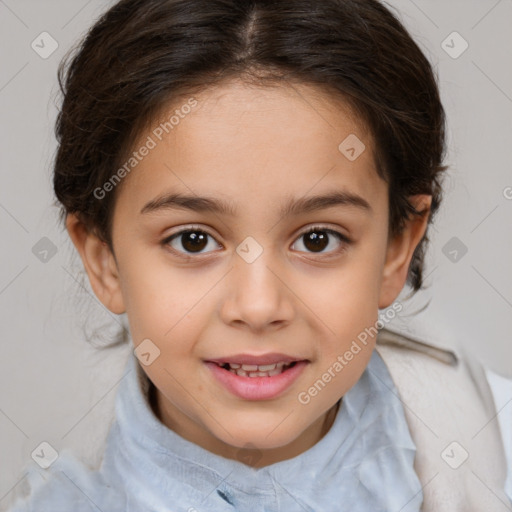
(252, 143)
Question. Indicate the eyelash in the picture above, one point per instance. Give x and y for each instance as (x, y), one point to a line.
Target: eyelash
(196, 229)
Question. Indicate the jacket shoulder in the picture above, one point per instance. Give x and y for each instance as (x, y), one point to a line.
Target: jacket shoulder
(451, 414)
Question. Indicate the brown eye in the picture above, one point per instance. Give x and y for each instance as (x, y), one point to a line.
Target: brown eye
(189, 241)
(317, 239)
(194, 241)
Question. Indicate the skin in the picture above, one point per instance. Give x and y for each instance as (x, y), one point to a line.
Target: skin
(256, 147)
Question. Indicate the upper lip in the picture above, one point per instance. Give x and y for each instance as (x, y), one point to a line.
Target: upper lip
(262, 359)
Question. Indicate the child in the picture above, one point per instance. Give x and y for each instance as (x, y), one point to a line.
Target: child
(251, 182)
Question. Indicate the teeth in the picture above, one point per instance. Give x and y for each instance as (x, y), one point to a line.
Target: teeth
(266, 367)
(250, 367)
(253, 370)
(256, 367)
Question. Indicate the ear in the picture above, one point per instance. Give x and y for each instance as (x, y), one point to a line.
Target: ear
(400, 250)
(99, 263)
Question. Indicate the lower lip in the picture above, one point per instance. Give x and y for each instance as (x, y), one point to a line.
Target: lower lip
(257, 388)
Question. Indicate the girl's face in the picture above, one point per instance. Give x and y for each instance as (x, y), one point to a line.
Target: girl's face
(213, 261)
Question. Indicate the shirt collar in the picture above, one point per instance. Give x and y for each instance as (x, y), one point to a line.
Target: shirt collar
(365, 459)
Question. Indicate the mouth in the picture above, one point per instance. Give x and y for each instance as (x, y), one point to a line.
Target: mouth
(268, 378)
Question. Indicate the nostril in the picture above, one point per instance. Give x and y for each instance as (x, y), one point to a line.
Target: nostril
(224, 496)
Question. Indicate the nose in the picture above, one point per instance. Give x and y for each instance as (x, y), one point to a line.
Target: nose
(258, 296)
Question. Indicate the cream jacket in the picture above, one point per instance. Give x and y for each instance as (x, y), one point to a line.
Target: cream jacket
(450, 409)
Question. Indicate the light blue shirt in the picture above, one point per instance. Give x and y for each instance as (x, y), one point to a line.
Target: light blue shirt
(364, 463)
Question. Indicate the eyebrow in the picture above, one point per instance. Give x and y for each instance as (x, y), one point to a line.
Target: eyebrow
(291, 207)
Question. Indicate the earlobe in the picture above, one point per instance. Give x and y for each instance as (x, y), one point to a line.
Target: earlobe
(401, 249)
(99, 263)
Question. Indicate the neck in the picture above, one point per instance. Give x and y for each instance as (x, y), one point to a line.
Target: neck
(252, 457)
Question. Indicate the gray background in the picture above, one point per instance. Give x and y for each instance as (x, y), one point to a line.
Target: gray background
(55, 387)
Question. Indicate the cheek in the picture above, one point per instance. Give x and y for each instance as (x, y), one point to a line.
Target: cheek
(161, 302)
(347, 304)
(351, 292)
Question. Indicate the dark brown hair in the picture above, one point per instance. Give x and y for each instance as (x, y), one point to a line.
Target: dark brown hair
(142, 54)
